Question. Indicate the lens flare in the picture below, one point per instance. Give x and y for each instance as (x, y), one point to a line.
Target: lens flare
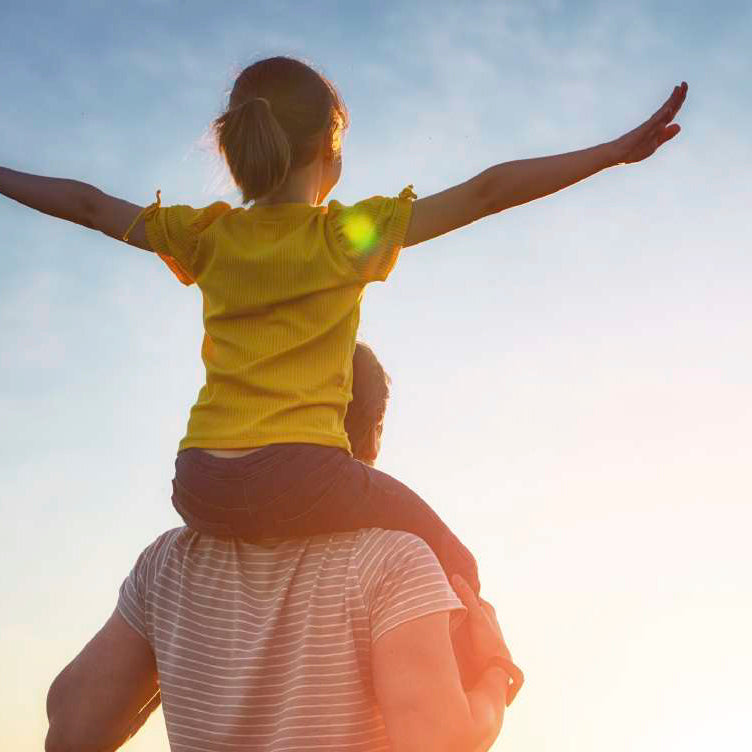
(360, 230)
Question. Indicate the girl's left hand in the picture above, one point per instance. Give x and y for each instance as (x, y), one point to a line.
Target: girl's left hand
(644, 140)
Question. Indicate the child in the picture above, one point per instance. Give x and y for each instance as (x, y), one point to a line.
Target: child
(266, 453)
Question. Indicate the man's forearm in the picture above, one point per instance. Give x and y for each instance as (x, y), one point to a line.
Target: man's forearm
(58, 197)
(514, 183)
(106, 735)
(487, 702)
(143, 715)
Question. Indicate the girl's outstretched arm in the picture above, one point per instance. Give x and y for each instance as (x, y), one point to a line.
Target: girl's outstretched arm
(75, 201)
(514, 183)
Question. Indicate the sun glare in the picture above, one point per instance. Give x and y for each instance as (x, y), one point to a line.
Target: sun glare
(360, 230)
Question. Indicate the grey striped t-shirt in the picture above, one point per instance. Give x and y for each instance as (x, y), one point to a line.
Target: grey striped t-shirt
(268, 647)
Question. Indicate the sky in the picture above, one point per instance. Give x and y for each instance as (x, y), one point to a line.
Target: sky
(572, 386)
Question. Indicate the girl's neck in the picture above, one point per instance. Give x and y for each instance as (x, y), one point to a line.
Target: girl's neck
(301, 187)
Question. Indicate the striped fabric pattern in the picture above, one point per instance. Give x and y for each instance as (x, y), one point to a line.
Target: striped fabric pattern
(268, 647)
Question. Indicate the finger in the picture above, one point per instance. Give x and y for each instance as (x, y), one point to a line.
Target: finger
(656, 125)
(488, 608)
(467, 596)
(493, 620)
(681, 97)
(667, 112)
(668, 133)
(677, 100)
(664, 108)
(673, 108)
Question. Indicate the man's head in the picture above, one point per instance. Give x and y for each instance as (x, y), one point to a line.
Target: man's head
(365, 414)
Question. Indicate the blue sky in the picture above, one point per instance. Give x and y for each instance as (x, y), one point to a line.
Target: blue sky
(572, 381)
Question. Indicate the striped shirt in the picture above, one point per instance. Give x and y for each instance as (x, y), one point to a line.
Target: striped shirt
(268, 647)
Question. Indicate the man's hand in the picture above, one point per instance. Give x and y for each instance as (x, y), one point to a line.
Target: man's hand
(644, 140)
(479, 637)
(479, 640)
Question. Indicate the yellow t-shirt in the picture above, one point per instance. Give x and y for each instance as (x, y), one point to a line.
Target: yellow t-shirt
(281, 289)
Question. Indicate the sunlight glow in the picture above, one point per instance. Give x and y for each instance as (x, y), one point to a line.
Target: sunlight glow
(360, 230)
(571, 385)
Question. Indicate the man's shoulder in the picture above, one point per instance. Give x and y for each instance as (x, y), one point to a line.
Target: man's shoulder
(389, 539)
(365, 546)
(375, 547)
(170, 538)
(162, 545)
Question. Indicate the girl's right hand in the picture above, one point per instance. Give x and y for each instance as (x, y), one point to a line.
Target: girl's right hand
(483, 630)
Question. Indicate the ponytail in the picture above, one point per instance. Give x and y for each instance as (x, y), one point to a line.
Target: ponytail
(256, 147)
(279, 114)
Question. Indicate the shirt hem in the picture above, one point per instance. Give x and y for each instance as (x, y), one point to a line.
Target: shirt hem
(130, 621)
(259, 442)
(457, 608)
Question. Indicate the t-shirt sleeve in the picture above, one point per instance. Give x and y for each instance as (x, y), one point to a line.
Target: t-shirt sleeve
(174, 232)
(134, 592)
(371, 233)
(406, 584)
(132, 599)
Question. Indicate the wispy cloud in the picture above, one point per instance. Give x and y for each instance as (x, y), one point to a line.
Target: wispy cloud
(588, 354)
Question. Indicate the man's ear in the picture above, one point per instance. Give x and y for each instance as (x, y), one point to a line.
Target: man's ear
(368, 447)
(374, 441)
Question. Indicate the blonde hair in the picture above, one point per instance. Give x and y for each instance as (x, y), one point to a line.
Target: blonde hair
(279, 113)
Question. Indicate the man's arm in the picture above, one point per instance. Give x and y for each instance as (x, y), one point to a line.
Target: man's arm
(419, 691)
(76, 202)
(105, 694)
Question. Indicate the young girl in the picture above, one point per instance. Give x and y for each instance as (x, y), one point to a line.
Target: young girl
(266, 453)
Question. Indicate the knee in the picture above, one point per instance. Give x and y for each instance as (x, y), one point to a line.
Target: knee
(57, 740)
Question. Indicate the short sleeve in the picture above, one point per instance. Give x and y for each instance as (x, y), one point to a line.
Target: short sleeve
(134, 592)
(132, 599)
(408, 583)
(371, 233)
(173, 232)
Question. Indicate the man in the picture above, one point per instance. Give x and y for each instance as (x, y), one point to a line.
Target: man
(341, 641)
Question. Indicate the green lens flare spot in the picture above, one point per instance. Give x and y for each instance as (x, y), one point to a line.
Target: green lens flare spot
(360, 230)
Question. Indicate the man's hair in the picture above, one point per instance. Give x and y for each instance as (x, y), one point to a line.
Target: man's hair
(370, 390)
